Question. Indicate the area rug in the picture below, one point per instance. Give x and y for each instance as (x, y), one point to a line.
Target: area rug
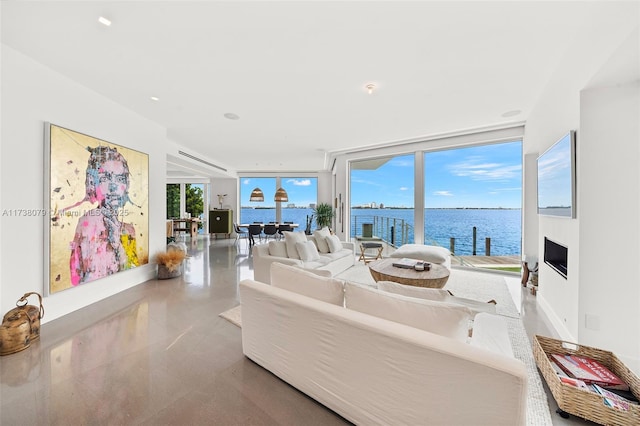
(233, 315)
(478, 286)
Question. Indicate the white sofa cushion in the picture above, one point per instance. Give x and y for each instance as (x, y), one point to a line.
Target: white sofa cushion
(320, 236)
(277, 248)
(307, 251)
(290, 240)
(433, 254)
(491, 332)
(307, 283)
(441, 318)
(334, 243)
(437, 295)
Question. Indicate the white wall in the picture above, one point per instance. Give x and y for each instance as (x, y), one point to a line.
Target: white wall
(31, 95)
(601, 237)
(609, 289)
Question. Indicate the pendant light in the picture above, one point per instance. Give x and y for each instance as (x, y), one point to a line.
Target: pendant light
(281, 195)
(256, 195)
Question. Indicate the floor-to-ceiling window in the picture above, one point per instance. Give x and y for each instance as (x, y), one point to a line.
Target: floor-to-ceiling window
(473, 199)
(302, 195)
(382, 198)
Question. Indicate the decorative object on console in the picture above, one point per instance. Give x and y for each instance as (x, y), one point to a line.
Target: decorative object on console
(221, 199)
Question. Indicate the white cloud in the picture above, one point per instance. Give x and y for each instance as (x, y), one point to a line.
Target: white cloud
(403, 188)
(300, 182)
(477, 169)
(443, 193)
(246, 181)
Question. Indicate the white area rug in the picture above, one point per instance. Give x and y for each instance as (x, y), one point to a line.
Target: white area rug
(233, 315)
(478, 286)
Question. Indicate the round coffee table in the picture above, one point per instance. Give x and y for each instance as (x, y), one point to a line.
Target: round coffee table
(383, 270)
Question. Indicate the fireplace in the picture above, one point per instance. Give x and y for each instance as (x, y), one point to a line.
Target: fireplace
(555, 255)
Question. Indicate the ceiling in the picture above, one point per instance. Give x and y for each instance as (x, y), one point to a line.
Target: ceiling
(295, 72)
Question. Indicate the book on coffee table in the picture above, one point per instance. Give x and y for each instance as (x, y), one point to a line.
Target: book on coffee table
(405, 263)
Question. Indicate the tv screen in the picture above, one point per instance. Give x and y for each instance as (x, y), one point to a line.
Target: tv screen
(557, 178)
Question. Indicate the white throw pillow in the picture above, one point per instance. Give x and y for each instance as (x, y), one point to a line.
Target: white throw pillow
(277, 248)
(290, 240)
(433, 254)
(307, 283)
(435, 294)
(320, 236)
(334, 243)
(307, 251)
(441, 318)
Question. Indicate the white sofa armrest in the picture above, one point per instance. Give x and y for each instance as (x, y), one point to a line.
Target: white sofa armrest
(349, 246)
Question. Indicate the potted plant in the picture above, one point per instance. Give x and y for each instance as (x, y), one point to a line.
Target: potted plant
(170, 263)
(324, 215)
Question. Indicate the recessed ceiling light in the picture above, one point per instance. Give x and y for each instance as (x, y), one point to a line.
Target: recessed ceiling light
(153, 98)
(512, 113)
(370, 88)
(104, 21)
(232, 116)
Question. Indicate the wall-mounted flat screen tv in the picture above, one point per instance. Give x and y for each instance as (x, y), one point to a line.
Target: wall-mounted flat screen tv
(557, 178)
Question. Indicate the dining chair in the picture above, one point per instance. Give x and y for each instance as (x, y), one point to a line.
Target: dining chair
(240, 233)
(255, 229)
(284, 227)
(270, 231)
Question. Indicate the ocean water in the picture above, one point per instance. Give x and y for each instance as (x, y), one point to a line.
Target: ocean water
(502, 226)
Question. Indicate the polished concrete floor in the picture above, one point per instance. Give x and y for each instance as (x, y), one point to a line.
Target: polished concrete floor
(159, 354)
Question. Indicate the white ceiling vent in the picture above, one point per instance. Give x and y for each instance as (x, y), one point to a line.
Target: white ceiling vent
(201, 160)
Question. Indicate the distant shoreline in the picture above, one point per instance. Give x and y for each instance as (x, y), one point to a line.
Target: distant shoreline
(394, 208)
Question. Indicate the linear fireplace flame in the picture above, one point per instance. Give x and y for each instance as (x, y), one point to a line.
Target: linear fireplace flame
(555, 255)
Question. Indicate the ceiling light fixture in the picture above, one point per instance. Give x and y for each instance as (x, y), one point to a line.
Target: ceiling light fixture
(232, 116)
(257, 195)
(281, 196)
(104, 21)
(153, 98)
(370, 87)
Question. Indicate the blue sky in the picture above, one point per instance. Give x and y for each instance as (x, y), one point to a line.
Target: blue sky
(486, 176)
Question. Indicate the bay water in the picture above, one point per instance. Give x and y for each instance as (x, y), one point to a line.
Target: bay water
(502, 226)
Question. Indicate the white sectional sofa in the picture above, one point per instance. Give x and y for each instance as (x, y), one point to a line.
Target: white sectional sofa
(289, 252)
(373, 370)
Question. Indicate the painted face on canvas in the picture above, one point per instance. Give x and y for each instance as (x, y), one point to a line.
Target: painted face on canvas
(113, 183)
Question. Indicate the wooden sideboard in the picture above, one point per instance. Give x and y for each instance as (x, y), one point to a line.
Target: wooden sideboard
(221, 222)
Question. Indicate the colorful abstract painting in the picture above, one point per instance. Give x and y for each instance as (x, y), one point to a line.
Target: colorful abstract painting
(97, 194)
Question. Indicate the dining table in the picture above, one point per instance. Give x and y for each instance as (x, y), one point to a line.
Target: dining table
(252, 241)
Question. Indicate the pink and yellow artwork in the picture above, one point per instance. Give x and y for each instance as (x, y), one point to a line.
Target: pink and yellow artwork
(98, 201)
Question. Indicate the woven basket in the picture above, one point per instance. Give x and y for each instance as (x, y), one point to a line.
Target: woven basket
(580, 402)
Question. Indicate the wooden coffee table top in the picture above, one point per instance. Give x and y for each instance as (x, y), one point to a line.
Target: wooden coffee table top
(383, 270)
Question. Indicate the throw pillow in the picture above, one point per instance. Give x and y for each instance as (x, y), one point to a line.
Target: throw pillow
(277, 248)
(320, 236)
(334, 243)
(433, 254)
(441, 318)
(290, 240)
(307, 251)
(307, 283)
